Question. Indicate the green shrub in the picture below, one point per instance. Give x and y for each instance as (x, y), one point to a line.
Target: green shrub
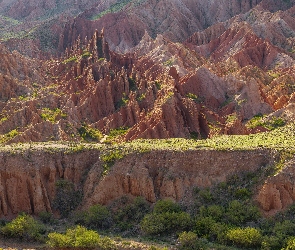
(188, 241)
(206, 195)
(109, 158)
(70, 59)
(52, 115)
(128, 213)
(80, 237)
(96, 217)
(239, 213)
(165, 223)
(269, 123)
(89, 134)
(115, 134)
(218, 232)
(164, 206)
(11, 134)
(242, 193)
(122, 103)
(132, 84)
(290, 244)
(86, 54)
(24, 227)
(194, 97)
(245, 237)
(158, 85)
(214, 211)
(283, 230)
(66, 197)
(204, 226)
(157, 248)
(45, 217)
(271, 243)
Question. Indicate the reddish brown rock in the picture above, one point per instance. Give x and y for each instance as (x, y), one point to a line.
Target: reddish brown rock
(28, 178)
(277, 193)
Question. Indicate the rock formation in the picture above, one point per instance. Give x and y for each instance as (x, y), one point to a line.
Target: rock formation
(28, 177)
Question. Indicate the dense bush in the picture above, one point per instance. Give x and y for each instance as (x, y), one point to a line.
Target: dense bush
(96, 217)
(164, 223)
(24, 227)
(290, 244)
(67, 198)
(46, 217)
(238, 213)
(204, 226)
(214, 211)
(80, 237)
(128, 213)
(189, 241)
(271, 242)
(89, 134)
(163, 206)
(245, 237)
(284, 229)
(167, 217)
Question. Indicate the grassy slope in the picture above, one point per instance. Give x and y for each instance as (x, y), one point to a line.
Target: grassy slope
(280, 139)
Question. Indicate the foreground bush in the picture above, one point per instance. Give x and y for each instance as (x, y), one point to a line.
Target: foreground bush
(80, 237)
(167, 217)
(96, 217)
(189, 241)
(24, 227)
(290, 244)
(245, 237)
(166, 223)
(127, 213)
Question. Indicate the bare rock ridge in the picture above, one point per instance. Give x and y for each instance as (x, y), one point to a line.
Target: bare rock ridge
(28, 178)
(176, 20)
(212, 84)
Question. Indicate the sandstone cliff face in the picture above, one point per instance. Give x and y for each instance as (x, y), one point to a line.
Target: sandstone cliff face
(28, 177)
(277, 193)
(159, 175)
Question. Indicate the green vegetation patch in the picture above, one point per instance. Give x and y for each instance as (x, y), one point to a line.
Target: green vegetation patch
(80, 237)
(116, 133)
(194, 97)
(122, 103)
(8, 136)
(167, 217)
(282, 138)
(52, 115)
(132, 84)
(113, 8)
(70, 59)
(67, 197)
(90, 134)
(109, 157)
(270, 124)
(24, 227)
(86, 54)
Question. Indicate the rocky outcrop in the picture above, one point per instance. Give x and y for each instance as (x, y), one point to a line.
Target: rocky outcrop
(278, 192)
(28, 177)
(212, 84)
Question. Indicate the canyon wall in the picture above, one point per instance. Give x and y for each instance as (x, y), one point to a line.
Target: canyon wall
(28, 177)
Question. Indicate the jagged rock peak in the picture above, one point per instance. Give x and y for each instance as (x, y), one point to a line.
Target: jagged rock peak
(99, 46)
